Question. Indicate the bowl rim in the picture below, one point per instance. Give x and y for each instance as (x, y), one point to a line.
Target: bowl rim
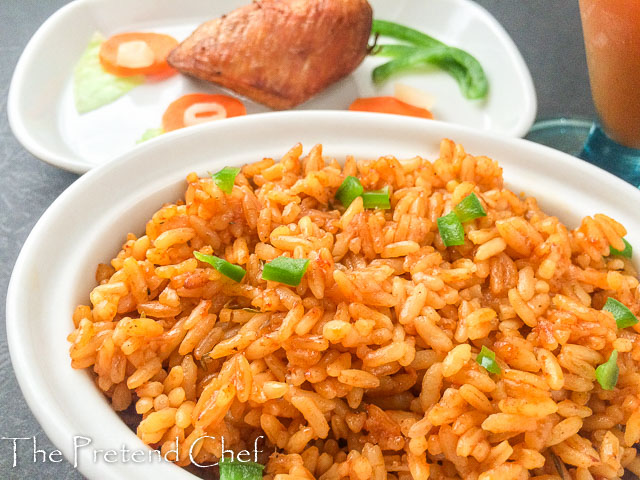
(27, 369)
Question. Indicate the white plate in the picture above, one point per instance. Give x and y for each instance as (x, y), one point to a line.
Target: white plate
(44, 119)
(89, 221)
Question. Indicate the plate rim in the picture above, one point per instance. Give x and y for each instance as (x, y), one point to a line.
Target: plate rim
(526, 121)
(14, 113)
(76, 164)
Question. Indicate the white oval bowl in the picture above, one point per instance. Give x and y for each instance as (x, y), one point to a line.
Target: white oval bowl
(43, 117)
(88, 223)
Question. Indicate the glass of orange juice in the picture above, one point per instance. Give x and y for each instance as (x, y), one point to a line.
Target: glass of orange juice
(612, 41)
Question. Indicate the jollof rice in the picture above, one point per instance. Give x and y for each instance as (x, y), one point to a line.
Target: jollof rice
(367, 369)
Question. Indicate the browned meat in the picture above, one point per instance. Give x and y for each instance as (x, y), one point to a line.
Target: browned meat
(278, 52)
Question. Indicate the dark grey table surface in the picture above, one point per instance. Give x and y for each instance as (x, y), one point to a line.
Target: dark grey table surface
(547, 32)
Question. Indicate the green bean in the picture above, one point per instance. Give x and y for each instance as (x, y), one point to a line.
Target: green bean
(462, 66)
(457, 71)
(394, 50)
(459, 64)
(400, 32)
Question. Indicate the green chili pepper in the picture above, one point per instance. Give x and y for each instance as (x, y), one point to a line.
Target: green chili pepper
(225, 178)
(627, 252)
(469, 208)
(451, 230)
(237, 470)
(285, 270)
(234, 272)
(624, 317)
(607, 373)
(349, 190)
(487, 360)
(377, 199)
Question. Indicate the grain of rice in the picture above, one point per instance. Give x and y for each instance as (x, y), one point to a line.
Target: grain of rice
(455, 359)
(358, 378)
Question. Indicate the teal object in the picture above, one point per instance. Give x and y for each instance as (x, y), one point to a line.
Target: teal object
(586, 140)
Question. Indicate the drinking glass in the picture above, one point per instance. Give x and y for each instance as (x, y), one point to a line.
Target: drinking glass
(612, 41)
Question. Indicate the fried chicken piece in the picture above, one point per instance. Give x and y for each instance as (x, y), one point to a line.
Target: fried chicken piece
(278, 52)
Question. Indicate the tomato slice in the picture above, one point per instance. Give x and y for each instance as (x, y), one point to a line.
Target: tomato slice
(173, 117)
(388, 105)
(119, 46)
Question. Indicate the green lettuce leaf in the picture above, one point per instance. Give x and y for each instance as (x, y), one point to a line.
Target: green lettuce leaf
(150, 133)
(92, 86)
